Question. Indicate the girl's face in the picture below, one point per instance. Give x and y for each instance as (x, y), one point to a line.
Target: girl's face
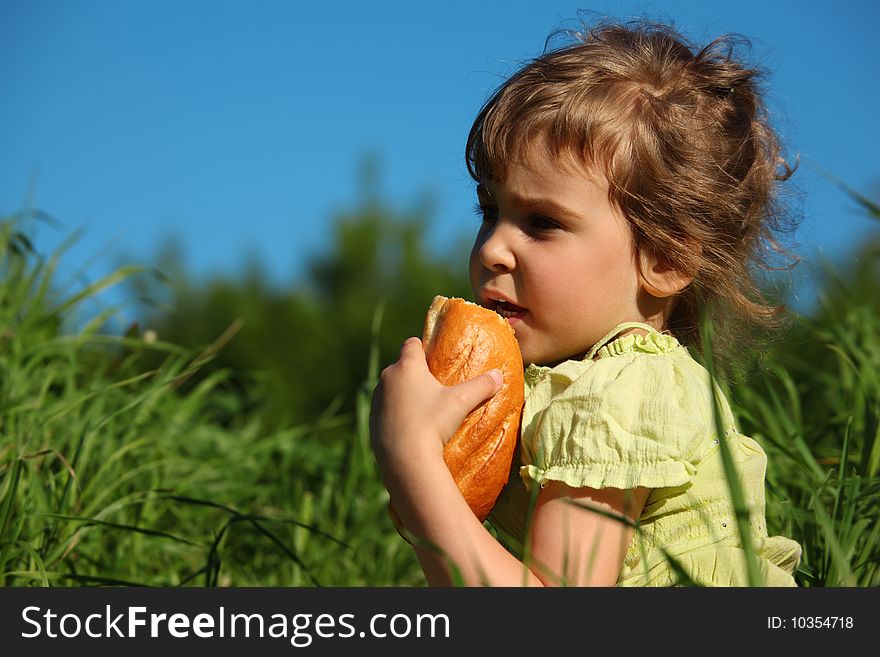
(554, 257)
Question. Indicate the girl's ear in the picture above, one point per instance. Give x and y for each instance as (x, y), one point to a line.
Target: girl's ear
(659, 279)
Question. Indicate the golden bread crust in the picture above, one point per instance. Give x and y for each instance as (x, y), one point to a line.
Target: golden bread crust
(463, 340)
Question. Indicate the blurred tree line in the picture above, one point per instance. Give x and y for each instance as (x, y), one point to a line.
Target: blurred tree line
(845, 320)
(300, 352)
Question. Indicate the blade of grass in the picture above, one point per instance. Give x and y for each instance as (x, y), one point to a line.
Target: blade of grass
(741, 510)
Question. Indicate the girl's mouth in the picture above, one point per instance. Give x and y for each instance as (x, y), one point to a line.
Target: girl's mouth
(508, 310)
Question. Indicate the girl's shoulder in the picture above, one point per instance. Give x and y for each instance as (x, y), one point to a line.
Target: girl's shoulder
(638, 412)
(633, 354)
(653, 370)
(639, 378)
(648, 360)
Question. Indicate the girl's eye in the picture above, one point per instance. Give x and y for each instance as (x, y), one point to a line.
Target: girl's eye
(486, 213)
(539, 224)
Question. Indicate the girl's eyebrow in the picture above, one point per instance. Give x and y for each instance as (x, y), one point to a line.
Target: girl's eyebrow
(547, 206)
(544, 206)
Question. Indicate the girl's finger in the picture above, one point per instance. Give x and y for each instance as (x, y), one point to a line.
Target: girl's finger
(472, 393)
(412, 351)
(410, 344)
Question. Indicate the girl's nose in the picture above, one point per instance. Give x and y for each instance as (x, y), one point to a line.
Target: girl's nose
(495, 250)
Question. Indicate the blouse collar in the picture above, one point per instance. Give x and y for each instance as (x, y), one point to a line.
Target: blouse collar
(654, 342)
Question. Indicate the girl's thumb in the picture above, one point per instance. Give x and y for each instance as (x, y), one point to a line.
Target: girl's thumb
(477, 390)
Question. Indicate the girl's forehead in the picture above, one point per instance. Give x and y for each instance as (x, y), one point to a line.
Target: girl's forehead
(565, 190)
(542, 158)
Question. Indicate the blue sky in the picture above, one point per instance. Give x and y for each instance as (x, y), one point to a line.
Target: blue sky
(238, 127)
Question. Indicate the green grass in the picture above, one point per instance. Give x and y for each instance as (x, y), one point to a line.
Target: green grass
(815, 409)
(110, 474)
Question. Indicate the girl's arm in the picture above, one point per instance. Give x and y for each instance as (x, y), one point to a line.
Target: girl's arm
(413, 416)
(575, 541)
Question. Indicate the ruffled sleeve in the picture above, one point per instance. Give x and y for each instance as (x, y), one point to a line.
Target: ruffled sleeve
(641, 416)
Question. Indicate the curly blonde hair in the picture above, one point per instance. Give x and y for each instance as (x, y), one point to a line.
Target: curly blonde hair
(683, 138)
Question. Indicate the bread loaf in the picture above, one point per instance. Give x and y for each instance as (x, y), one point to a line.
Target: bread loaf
(463, 340)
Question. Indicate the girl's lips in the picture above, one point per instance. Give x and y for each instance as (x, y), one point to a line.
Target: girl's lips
(509, 310)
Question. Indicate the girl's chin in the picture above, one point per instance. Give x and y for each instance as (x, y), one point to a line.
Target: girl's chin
(533, 355)
(531, 347)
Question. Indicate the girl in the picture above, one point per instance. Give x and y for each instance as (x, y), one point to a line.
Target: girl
(625, 183)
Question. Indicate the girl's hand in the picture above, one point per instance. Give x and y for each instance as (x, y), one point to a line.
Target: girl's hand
(413, 414)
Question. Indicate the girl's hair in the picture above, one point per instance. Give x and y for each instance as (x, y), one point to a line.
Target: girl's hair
(683, 139)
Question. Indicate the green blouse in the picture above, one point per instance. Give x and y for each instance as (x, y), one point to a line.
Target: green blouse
(637, 411)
